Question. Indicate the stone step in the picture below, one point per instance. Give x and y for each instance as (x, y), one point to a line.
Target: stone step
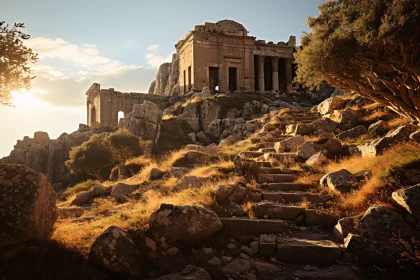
(314, 217)
(266, 164)
(288, 186)
(276, 178)
(297, 250)
(269, 210)
(267, 150)
(286, 158)
(250, 154)
(254, 226)
(274, 170)
(290, 197)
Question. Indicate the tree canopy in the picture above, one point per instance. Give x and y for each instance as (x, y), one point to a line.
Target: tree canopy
(125, 145)
(15, 73)
(371, 47)
(91, 157)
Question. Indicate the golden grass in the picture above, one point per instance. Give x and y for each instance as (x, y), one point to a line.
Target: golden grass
(168, 117)
(378, 188)
(214, 170)
(375, 116)
(373, 106)
(241, 146)
(83, 186)
(394, 123)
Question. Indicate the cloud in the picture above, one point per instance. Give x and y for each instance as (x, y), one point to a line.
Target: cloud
(155, 60)
(153, 47)
(65, 71)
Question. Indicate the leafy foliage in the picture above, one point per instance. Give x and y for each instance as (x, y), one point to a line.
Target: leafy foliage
(369, 46)
(124, 144)
(91, 157)
(15, 73)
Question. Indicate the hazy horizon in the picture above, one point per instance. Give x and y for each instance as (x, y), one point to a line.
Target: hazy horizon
(119, 46)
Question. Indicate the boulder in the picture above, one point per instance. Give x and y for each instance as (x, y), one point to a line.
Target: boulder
(333, 146)
(98, 191)
(190, 272)
(70, 212)
(82, 198)
(289, 144)
(323, 127)
(380, 128)
(409, 198)
(27, 205)
(339, 181)
(191, 182)
(184, 222)
(202, 138)
(178, 172)
(343, 227)
(316, 159)
(402, 133)
(334, 272)
(308, 149)
(191, 158)
(359, 101)
(346, 116)
(353, 133)
(211, 150)
(330, 104)
(155, 174)
(116, 252)
(209, 111)
(370, 251)
(214, 129)
(236, 266)
(303, 129)
(381, 224)
(122, 190)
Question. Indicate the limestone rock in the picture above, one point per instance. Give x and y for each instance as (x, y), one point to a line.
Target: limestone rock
(308, 149)
(369, 251)
(192, 158)
(289, 144)
(330, 273)
(323, 127)
(330, 104)
(190, 272)
(116, 252)
(122, 190)
(409, 198)
(215, 261)
(98, 191)
(343, 227)
(82, 198)
(339, 181)
(265, 267)
(178, 172)
(316, 159)
(70, 212)
(359, 101)
(184, 222)
(346, 116)
(155, 174)
(352, 133)
(191, 116)
(27, 205)
(202, 138)
(381, 224)
(191, 182)
(380, 128)
(236, 266)
(209, 111)
(333, 146)
(162, 78)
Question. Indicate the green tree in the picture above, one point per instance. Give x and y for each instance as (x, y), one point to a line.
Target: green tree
(371, 47)
(15, 73)
(91, 157)
(124, 144)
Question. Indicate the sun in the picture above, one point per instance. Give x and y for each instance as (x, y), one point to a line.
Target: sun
(28, 99)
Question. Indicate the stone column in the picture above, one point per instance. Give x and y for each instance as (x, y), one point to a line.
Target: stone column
(289, 79)
(261, 82)
(88, 112)
(275, 63)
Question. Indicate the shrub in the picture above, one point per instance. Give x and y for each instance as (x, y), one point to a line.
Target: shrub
(124, 144)
(91, 157)
(83, 186)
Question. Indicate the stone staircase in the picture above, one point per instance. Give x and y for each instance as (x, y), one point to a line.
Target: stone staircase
(283, 209)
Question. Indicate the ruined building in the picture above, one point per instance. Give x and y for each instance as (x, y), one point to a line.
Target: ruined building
(222, 56)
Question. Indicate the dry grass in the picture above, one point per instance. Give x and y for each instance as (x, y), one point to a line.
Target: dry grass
(168, 117)
(375, 116)
(394, 123)
(232, 150)
(378, 188)
(215, 170)
(373, 106)
(83, 186)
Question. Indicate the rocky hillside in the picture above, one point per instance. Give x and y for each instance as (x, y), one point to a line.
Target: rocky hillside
(264, 187)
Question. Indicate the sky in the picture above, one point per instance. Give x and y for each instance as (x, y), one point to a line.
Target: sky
(119, 44)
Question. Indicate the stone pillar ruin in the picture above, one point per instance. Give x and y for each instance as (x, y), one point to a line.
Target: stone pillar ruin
(275, 61)
(261, 81)
(289, 78)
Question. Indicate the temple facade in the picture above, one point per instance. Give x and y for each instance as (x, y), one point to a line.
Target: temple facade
(223, 57)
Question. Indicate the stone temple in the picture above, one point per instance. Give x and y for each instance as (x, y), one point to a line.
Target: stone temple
(218, 56)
